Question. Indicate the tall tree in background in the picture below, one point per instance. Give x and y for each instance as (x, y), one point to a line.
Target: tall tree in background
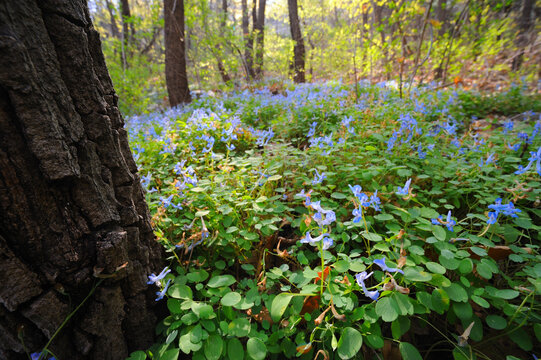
(128, 32)
(175, 53)
(259, 28)
(74, 224)
(248, 41)
(221, 68)
(298, 49)
(524, 24)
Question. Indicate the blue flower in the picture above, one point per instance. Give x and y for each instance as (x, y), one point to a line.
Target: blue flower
(449, 222)
(155, 279)
(514, 147)
(162, 293)
(361, 277)
(381, 264)
(508, 126)
(535, 156)
(507, 209)
(318, 178)
(356, 190)
(358, 215)
(166, 202)
(327, 240)
(39, 356)
(404, 190)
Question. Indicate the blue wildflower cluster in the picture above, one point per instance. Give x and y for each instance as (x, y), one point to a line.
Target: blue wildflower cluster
(507, 209)
(449, 222)
(363, 200)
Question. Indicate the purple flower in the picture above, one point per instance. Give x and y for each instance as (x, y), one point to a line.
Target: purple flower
(507, 209)
(318, 178)
(162, 293)
(535, 156)
(327, 240)
(361, 277)
(449, 222)
(381, 264)
(404, 190)
(155, 279)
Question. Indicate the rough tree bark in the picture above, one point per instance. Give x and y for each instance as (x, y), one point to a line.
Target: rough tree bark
(248, 41)
(128, 32)
(221, 67)
(298, 49)
(114, 28)
(260, 37)
(175, 53)
(71, 203)
(524, 24)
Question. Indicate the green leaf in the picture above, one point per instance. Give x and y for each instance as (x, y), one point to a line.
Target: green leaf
(400, 326)
(386, 308)
(279, 305)
(480, 301)
(350, 343)
(170, 354)
(413, 274)
(221, 280)
(179, 291)
(435, 268)
(457, 293)
(463, 310)
(439, 232)
(256, 348)
(338, 195)
(274, 177)
(371, 236)
(383, 217)
(409, 352)
(174, 306)
(341, 266)
(440, 301)
(137, 355)
(522, 339)
(197, 276)
(230, 299)
(484, 271)
(186, 344)
(496, 322)
(506, 294)
(537, 331)
(213, 347)
(234, 349)
(465, 266)
(239, 327)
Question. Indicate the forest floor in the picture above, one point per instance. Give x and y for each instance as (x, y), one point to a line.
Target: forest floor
(332, 221)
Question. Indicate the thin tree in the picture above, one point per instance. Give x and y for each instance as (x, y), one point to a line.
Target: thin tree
(298, 48)
(176, 77)
(128, 32)
(221, 67)
(76, 242)
(260, 37)
(524, 24)
(248, 42)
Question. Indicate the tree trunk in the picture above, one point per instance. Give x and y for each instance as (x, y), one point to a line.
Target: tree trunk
(71, 205)
(248, 41)
(127, 32)
(524, 23)
(114, 28)
(442, 15)
(221, 67)
(175, 53)
(298, 49)
(260, 34)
